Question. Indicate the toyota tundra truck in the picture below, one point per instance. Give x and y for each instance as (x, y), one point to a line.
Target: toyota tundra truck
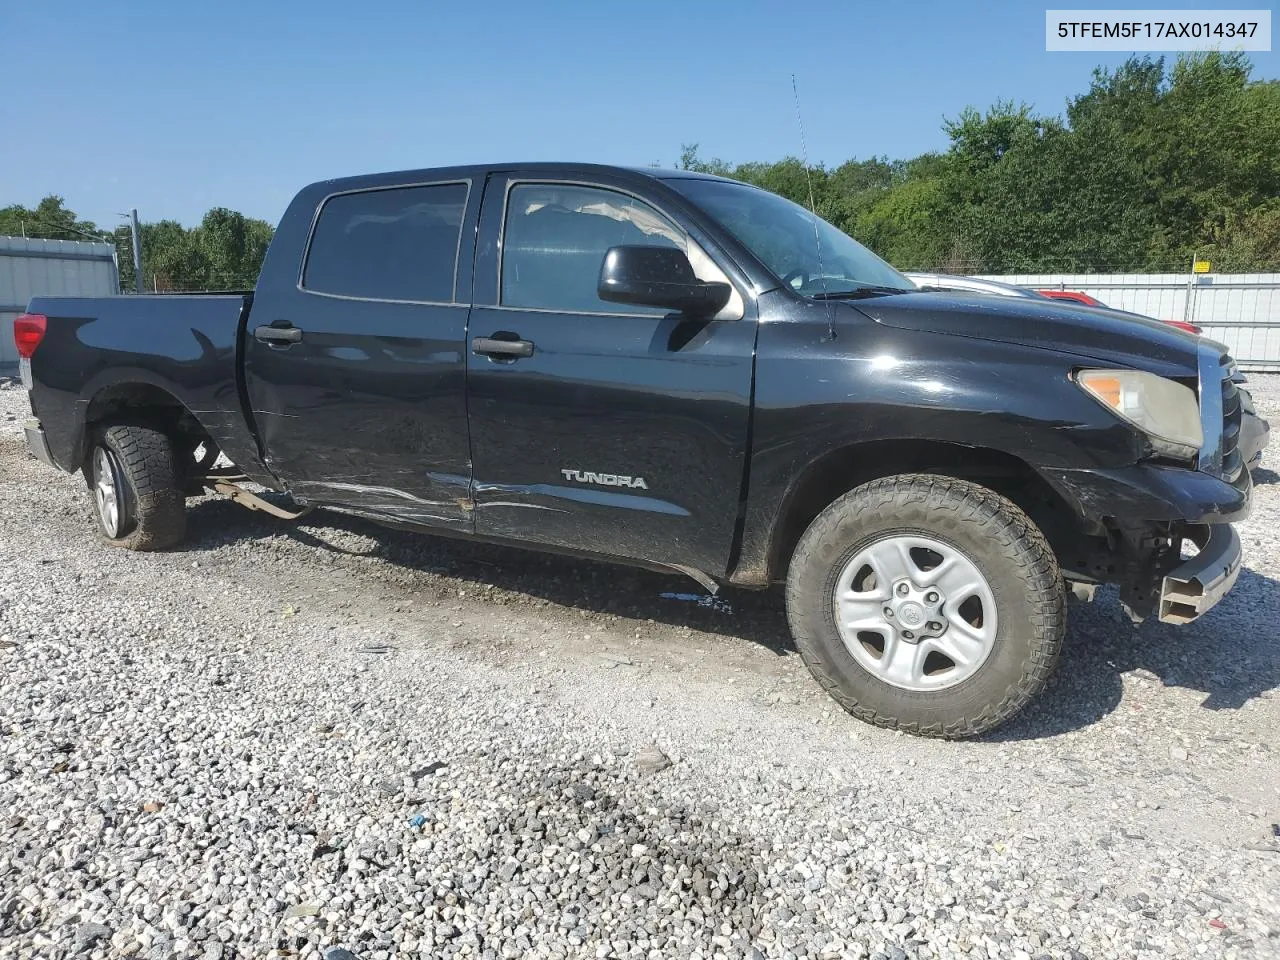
(682, 372)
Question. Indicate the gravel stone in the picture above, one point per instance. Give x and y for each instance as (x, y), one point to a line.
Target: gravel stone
(186, 771)
(652, 760)
(88, 934)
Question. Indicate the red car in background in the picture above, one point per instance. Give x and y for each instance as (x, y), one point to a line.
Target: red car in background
(1077, 297)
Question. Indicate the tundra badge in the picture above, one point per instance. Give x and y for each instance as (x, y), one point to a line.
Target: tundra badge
(605, 479)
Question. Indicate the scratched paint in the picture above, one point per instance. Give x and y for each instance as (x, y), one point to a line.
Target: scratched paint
(376, 490)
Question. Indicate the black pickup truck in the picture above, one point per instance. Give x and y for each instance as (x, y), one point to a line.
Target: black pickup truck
(683, 372)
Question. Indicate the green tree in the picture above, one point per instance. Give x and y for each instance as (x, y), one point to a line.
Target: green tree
(49, 220)
(233, 247)
(909, 226)
(224, 253)
(1149, 167)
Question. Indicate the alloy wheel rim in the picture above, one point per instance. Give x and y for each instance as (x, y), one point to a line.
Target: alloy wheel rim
(915, 612)
(106, 493)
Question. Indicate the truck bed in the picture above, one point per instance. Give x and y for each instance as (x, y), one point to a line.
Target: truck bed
(183, 345)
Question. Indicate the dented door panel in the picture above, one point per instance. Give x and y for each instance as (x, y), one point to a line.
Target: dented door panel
(369, 409)
(365, 407)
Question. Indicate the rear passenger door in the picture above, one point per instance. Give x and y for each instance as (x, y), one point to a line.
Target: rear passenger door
(600, 426)
(356, 369)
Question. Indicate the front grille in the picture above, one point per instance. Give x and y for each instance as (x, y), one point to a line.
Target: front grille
(1232, 413)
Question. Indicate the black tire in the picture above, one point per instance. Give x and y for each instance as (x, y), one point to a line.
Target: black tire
(151, 508)
(997, 537)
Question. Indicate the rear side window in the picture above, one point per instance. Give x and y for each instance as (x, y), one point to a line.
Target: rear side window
(399, 244)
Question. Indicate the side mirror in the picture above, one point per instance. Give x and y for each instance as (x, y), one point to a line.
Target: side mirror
(659, 277)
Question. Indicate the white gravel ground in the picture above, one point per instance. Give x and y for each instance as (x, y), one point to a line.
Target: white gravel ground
(294, 741)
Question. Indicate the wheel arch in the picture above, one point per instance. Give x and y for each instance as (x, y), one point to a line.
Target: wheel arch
(841, 470)
(141, 402)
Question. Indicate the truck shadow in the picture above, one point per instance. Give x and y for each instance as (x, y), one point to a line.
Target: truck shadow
(631, 592)
(1223, 656)
(1263, 476)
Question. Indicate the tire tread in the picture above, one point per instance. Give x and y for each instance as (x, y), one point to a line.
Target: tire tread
(146, 457)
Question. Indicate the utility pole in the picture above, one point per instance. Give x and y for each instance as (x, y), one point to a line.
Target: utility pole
(137, 250)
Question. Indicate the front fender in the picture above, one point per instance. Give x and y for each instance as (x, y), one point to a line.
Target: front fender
(872, 386)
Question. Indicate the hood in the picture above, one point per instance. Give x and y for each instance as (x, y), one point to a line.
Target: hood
(1104, 336)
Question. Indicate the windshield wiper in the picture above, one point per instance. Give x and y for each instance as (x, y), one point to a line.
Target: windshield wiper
(860, 293)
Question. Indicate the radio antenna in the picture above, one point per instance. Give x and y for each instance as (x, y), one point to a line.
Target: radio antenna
(813, 209)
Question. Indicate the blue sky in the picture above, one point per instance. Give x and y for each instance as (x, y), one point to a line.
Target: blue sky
(174, 107)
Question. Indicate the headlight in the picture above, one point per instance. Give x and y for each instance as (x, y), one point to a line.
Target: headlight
(1164, 410)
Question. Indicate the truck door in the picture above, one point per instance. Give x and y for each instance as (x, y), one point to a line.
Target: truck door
(355, 364)
(597, 426)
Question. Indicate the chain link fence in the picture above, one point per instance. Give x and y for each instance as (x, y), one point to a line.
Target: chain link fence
(215, 283)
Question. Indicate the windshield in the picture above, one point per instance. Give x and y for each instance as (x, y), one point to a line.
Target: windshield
(781, 235)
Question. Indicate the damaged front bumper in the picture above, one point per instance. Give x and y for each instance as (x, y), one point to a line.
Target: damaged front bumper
(1198, 583)
(1153, 492)
(1134, 521)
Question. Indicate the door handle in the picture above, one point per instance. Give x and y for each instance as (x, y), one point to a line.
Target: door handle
(278, 334)
(489, 347)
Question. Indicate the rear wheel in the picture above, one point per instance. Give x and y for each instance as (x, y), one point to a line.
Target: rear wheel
(927, 604)
(135, 488)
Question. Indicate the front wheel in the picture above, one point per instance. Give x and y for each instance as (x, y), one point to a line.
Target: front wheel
(135, 488)
(927, 604)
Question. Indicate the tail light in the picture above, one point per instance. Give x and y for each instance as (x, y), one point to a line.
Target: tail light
(28, 331)
(1183, 325)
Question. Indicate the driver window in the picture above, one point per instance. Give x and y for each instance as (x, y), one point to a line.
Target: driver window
(555, 238)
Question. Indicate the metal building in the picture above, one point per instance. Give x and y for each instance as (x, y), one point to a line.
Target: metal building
(50, 268)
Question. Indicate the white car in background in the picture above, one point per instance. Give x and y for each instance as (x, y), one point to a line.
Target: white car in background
(955, 284)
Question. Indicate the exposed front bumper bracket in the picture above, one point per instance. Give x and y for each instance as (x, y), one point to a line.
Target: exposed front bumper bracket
(252, 501)
(1198, 583)
(36, 442)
